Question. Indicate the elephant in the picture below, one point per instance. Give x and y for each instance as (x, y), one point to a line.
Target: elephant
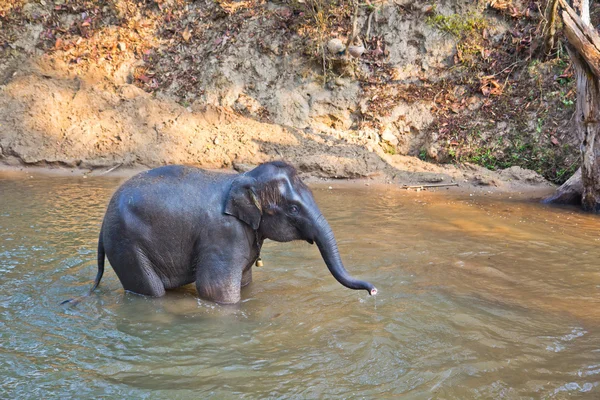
(175, 225)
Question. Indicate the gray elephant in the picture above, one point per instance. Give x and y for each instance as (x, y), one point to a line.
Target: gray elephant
(175, 225)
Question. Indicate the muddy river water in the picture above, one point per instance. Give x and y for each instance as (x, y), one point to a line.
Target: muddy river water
(482, 296)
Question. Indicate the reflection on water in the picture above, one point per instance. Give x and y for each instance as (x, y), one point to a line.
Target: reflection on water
(479, 297)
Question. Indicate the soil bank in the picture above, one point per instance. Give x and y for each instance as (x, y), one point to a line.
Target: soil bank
(97, 85)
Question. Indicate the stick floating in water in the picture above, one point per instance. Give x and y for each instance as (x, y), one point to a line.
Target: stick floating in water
(424, 186)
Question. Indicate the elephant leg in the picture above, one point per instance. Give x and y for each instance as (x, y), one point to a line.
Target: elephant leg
(137, 275)
(247, 277)
(218, 279)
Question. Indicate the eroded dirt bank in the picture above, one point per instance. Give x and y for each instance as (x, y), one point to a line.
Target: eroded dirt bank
(53, 119)
(98, 84)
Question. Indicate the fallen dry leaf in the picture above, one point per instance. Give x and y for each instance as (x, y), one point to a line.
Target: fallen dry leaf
(490, 87)
(500, 4)
(186, 35)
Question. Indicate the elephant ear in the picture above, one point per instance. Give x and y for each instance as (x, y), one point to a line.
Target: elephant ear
(242, 201)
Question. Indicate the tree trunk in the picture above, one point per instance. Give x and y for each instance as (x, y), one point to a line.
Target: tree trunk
(584, 10)
(588, 125)
(584, 49)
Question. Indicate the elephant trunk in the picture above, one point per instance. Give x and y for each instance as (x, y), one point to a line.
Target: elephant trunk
(329, 251)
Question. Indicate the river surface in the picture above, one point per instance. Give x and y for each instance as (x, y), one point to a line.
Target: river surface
(482, 296)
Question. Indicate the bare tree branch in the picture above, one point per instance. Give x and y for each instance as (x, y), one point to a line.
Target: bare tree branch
(582, 37)
(354, 32)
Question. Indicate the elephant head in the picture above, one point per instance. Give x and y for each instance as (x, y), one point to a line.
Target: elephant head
(279, 206)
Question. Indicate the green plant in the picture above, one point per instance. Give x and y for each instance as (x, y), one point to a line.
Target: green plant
(484, 157)
(516, 149)
(457, 25)
(388, 148)
(539, 125)
(565, 99)
(567, 102)
(423, 154)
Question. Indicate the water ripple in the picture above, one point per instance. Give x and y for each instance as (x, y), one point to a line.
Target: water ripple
(479, 298)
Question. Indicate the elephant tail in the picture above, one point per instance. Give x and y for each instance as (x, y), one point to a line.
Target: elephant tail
(101, 257)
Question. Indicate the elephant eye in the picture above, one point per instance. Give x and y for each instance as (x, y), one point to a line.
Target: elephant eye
(294, 210)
